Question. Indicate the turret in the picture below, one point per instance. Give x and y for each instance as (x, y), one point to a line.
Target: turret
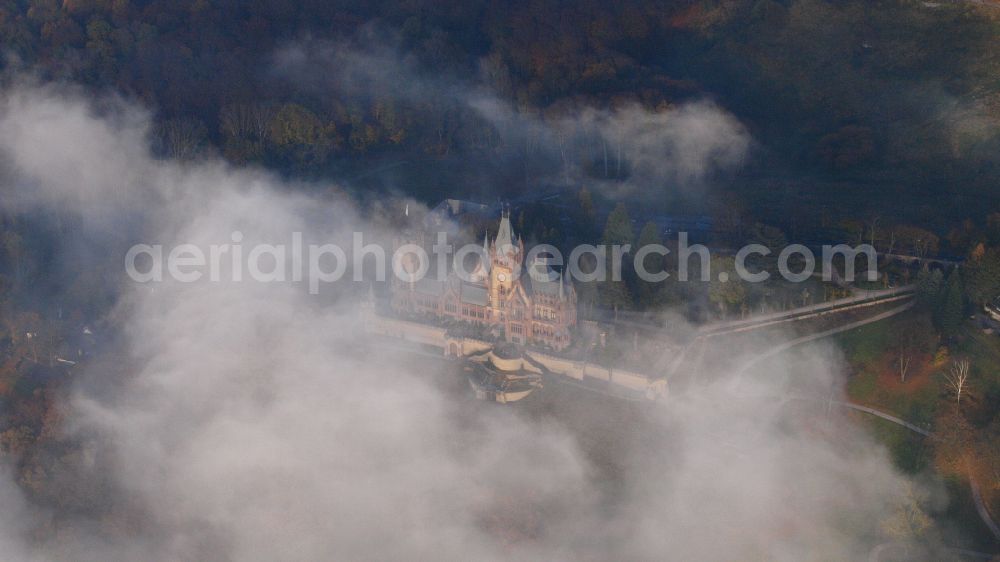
(505, 234)
(508, 250)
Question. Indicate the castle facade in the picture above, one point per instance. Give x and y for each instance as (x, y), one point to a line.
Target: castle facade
(524, 305)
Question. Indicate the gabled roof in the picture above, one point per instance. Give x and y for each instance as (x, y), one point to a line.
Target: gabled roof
(429, 286)
(474, 294)
(536, 277)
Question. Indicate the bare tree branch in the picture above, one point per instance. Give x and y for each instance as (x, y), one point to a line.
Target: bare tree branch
(958, 377)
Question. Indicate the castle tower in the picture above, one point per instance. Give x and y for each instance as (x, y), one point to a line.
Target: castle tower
(506, 256)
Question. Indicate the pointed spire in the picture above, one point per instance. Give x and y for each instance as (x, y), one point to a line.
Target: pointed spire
(505, 235)
(562, 279)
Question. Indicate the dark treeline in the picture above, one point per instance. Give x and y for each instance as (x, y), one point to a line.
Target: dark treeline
(853, 103)
(873, 122)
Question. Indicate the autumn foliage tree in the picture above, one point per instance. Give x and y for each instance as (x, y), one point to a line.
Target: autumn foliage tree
(300, 136)
(954, 440)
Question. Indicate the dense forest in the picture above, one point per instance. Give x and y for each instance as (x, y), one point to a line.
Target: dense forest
(852, 121)
(851, 103)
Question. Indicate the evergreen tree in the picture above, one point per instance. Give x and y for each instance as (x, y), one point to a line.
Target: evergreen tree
(653, 263)
(774, 240)
(982, 276)
(929, 288)
(586, 229)
(617, 231)
(650, 234)
(586, 203)
(949, 312)
(728, 291)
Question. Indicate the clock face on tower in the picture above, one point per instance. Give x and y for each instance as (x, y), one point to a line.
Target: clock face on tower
(502, 277)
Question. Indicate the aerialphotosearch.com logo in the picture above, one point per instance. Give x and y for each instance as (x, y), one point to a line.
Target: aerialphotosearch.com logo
(317, 264)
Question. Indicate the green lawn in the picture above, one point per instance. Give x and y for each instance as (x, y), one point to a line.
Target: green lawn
(864, 349)
(909, 450)
(865, 344)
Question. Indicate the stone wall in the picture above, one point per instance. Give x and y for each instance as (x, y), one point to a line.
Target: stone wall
(580, 369)
(426, 334)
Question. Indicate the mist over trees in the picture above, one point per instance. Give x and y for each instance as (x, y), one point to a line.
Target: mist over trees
(780, 121)
(833, 91)
(230, 420)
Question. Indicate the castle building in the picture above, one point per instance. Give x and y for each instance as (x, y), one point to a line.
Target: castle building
(525, 305)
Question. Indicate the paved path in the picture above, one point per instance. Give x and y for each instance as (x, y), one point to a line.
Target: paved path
(859, 299)
(819, 335)
(977, 497)
(984, 513)
(670, 365)
(885, 416)
(866, 298)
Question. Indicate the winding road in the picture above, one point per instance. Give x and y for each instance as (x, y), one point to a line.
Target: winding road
(775, 350)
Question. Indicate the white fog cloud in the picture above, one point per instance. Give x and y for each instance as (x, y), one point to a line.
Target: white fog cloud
(676, 149)
(644, 153)
(258, 422)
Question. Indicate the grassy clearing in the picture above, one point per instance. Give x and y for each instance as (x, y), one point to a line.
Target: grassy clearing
(863, 345)
(909, 450)
(874, 380)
